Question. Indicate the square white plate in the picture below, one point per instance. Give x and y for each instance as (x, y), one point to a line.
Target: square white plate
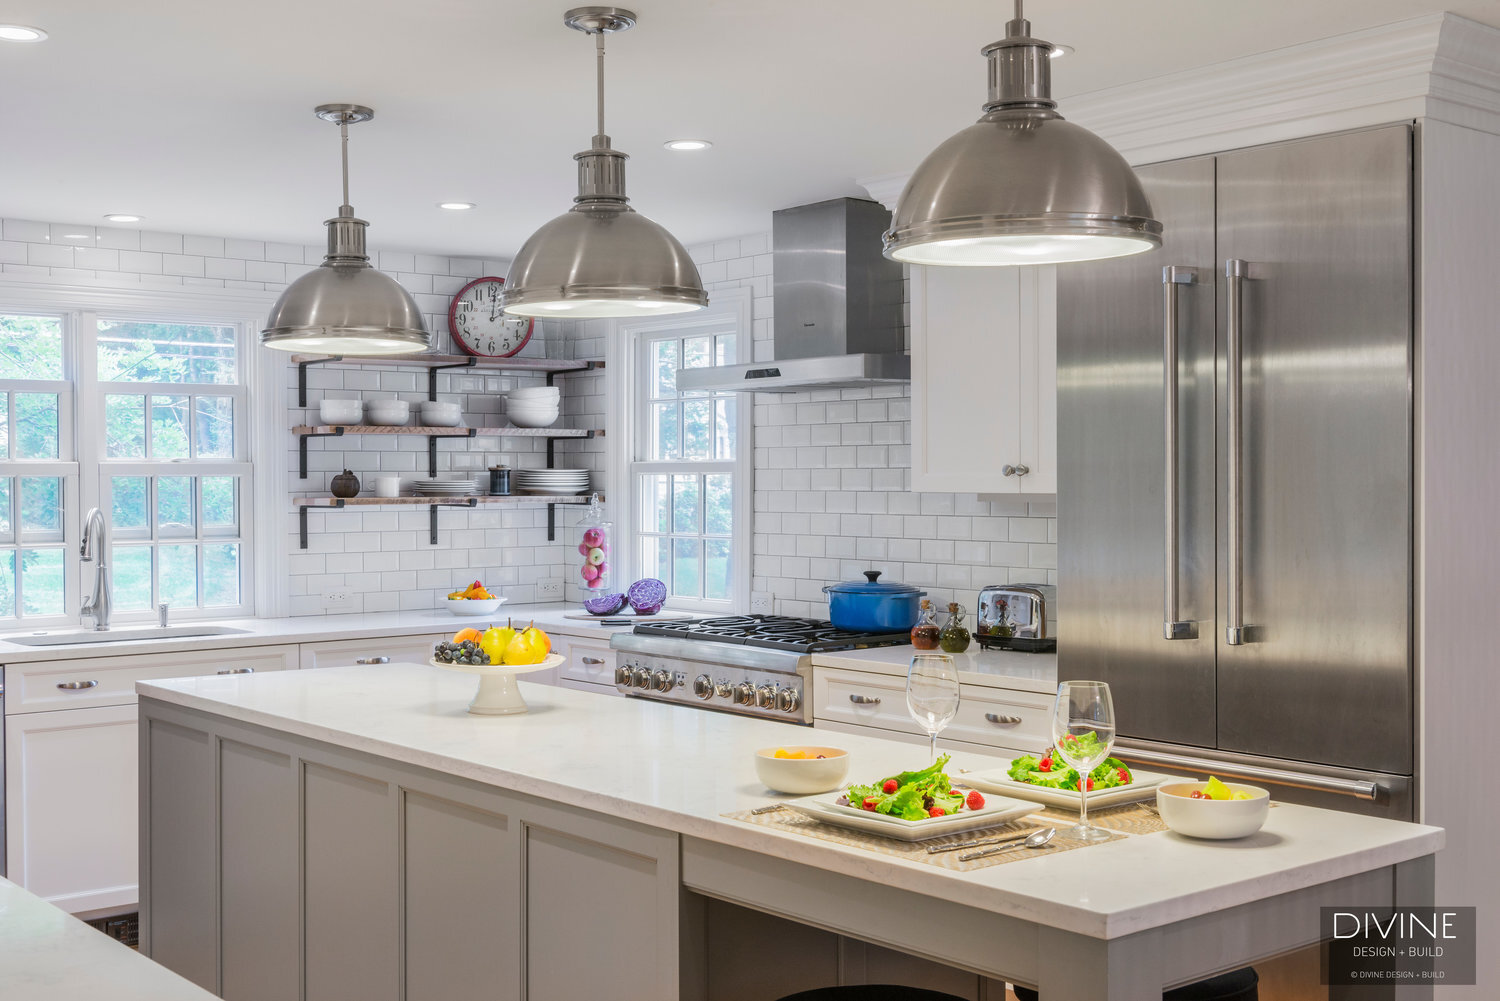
(997, 810)
(997, 780)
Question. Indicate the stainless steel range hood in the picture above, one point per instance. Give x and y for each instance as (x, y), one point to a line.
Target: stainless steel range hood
(837, 306)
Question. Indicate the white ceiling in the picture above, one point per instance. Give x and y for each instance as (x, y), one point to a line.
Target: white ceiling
(198, 115)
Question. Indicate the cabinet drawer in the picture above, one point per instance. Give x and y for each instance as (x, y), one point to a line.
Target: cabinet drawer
(986, 716)
(370, 650)
(110, 681)
(590, 662)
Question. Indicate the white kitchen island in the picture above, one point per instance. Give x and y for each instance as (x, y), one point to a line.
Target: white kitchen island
(353, 832)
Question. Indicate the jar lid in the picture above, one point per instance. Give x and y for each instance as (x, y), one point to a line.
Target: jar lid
(871, 585)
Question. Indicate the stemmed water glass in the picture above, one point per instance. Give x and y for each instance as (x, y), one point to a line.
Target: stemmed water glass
(1083, 707)
(932, 693)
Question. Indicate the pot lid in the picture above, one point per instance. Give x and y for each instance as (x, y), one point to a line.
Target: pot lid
(871, 585)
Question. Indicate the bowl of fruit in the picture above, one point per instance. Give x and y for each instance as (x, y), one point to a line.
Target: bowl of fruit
(473, 600)
(802, 770)
(497, 655)
(1215, 810)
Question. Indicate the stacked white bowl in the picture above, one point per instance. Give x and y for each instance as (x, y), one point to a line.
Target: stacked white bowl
(440, 415)
(389, 413)
(537, 407)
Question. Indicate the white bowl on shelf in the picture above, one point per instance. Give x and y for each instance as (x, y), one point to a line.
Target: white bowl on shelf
(340, 411)
(388, 413)
(533, 419)
(440, 415)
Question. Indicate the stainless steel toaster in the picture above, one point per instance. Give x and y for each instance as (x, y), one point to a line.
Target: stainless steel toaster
(1029, 610)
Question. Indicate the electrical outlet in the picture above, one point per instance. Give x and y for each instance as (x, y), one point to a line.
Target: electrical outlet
(762, 603)
(339, 600)
(549, 590)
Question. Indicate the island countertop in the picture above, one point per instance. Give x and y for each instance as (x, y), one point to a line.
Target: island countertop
(680, 770)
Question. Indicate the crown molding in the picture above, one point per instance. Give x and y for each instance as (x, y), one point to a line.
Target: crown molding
(1439, 67)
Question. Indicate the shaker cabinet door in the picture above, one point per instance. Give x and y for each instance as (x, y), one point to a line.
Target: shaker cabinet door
(984, 380)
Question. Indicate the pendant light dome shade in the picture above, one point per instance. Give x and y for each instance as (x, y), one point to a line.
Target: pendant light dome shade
(601, 257)
(1021, 185)
(344, 306)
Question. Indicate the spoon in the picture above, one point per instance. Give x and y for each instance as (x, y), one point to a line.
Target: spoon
(1036, 840)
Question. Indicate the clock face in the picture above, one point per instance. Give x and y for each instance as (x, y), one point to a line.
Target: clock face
(480, 328)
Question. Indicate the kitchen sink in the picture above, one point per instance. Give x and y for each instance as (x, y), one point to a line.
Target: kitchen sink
(128, 635)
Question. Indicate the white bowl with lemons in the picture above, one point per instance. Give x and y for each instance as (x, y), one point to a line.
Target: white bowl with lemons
(1221, 811)
(802, 769)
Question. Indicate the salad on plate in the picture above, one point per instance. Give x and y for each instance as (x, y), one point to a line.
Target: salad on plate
(916, 795)
(1050, 771)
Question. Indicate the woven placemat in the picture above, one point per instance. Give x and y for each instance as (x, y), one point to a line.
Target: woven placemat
(1116, 821)
(1127, 818)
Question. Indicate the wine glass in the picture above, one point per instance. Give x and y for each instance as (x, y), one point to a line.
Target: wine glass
(1083, 707)
(932, 693)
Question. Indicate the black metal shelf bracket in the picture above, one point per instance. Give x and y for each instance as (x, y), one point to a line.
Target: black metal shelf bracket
(432, 373)
(432, 510)
(302, 520)
(552, 445)
(302, 375)
(551, 522)
(432, 441)
(337, 432)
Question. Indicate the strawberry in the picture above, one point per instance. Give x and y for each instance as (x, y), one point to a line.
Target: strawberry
(937, 811)
(975, 801)
(891, 785)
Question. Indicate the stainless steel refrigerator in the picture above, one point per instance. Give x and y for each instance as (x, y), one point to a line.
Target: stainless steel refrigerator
(1235, 471)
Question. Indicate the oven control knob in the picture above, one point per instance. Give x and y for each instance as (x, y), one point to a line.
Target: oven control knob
(765, 696)
(723, 689)
(789, 700)
(744, 694)
(622, 676)
(661, 681)
(640, 678)
(703, 687)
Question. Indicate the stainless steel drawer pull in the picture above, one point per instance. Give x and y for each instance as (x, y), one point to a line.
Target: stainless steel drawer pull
(1002, 720)
(77, 686)
(1172, 276)
(238, 670)
(1235, 273)
(864, 700)
(373, 660)
(596, 661)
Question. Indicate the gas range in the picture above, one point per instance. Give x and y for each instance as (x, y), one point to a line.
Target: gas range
(755, 665)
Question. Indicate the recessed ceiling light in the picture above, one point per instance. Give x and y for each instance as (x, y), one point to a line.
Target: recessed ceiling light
(687, 144)
(1058, 51)
(122, 217)
(21, 33)
(456, 206)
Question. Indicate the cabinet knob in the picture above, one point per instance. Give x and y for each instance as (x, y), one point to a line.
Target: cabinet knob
(238, 670)
(373, 660)
(1002, 720)
(76, 686)
(1016, 470)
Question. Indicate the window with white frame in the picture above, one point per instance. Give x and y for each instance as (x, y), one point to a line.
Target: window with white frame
(690, 471)
(161, 447)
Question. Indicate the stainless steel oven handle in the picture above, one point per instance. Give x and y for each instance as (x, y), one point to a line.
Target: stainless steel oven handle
(1359, 789)
(1172, 277)
(1235, 273)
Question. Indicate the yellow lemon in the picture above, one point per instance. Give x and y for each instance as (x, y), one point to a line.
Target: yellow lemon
(1216, 789)
(1243, 795)
(782, 752)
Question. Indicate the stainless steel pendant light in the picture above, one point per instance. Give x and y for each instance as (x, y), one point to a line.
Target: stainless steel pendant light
(601, 257)
(344, 306)
(1021, 185)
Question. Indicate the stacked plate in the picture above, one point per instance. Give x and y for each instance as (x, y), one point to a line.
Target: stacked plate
(552, 481)
(537, 407)
(445, 488)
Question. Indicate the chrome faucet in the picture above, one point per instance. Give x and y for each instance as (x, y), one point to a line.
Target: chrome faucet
(97, 607)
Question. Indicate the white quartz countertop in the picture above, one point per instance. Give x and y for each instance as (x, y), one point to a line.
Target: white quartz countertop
(680, 768)
(304, 629)
(1026, 672)
(49, 955)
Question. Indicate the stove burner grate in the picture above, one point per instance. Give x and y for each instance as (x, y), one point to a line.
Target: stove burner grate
(775, 632)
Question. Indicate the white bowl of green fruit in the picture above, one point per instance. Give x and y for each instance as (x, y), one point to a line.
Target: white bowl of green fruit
(1215, 810)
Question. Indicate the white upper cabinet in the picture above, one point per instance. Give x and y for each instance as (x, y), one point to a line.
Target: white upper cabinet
(984, 380)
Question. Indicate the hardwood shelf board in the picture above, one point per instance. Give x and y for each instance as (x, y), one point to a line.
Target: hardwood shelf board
(542, 365)
(325, 501)
(331, 430)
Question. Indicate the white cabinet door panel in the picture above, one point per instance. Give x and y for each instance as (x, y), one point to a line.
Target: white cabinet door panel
(110, 681)
(370, 650)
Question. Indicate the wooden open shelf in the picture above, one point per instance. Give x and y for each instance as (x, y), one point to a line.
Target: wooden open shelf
(306, 431)
(433, 503)
(434, 363)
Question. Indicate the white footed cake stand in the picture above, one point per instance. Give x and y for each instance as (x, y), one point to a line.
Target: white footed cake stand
(498, 694)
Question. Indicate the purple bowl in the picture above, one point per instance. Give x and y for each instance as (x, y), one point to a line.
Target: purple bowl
(605, 604)
(647, 593)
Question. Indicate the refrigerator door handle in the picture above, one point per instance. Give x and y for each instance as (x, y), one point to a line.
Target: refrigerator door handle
(1172, 277)
(1235, 272)
(1357, 788)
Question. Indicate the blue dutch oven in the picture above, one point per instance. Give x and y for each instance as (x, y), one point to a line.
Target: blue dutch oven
(869, 606)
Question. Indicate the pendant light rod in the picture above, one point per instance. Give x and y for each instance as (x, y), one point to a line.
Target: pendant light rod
(599, 73)
(346, 208)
